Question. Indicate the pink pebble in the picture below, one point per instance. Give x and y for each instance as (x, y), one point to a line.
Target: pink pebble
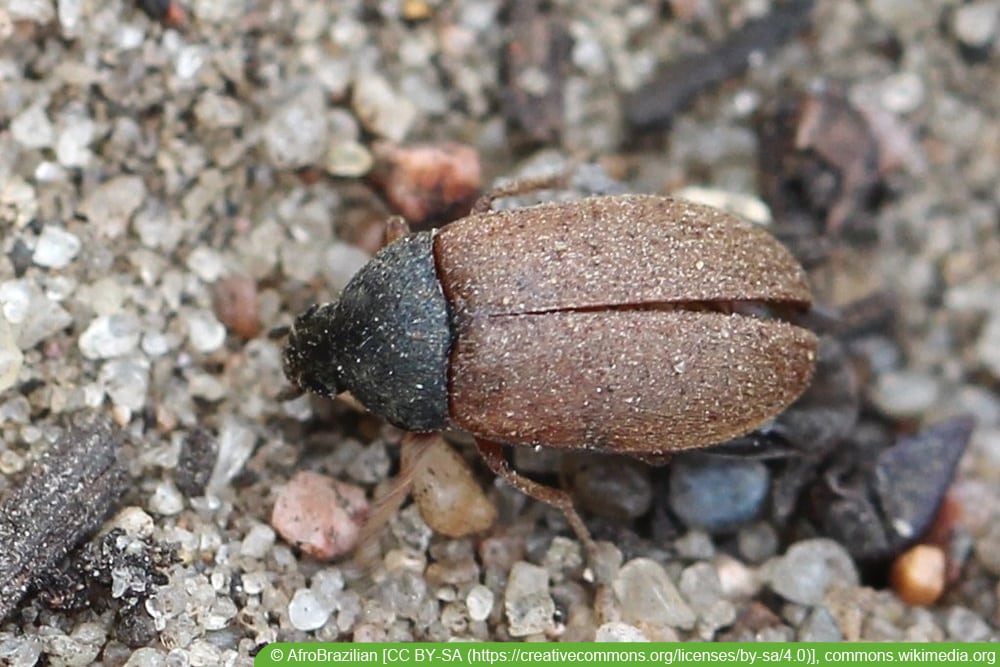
(319, 514)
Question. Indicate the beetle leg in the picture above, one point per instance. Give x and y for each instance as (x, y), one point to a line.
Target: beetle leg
(396, 228)
(521, 186)
(492, 454)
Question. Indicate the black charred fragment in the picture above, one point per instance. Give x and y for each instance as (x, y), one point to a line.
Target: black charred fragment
(69, 492)
(199, 452)
(654, 105)
(912, 477)
(878, 510)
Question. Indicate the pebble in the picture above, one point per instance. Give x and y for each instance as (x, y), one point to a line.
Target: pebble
(341, 262)
(613, 487)
(76, 132)
(110, 206)
(988, 345)
(701, 587)
(717, 494)
(918, 575)
(134, 521)
(381, 109)
(258, 541)
(166, 499)
(205, 332)
(808, 569)
(234, 300)
(126, 382)
(55, 248)
(975, 24)
(32, 128)
(296, 135)
(450, 499)
(647, 596)
(820, 626)
(479, 602)
(527, 601)
(319, 514)
(905, 393)
(11, 357)
(236, 443)
(757, 541)
(306, 611)
(110, 336)
(902, 92)
(965, 625)
(348, 159)
(619, 632)
(695, 545)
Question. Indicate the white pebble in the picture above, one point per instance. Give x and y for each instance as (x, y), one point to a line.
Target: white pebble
(306, 611)
(205, 332)
(258, 541)
(56, 247)
(110, 336)
(479, 602)
(166, 499)
(32, 128)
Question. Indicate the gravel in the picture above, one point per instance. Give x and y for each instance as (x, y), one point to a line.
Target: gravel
(145, 167)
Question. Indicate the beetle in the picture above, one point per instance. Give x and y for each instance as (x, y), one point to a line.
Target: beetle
(630, 324)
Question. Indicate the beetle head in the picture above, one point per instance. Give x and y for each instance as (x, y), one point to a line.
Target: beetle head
(309, 359)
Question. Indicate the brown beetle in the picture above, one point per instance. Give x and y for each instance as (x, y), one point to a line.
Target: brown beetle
(628, 324)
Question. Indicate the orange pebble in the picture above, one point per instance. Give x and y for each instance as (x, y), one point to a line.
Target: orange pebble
(918, 574)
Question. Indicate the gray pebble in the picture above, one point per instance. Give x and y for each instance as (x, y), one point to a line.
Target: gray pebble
(975, 24)
(646, 595)
(808, 569)
(717, 494)
(820, 626)
(527, 602)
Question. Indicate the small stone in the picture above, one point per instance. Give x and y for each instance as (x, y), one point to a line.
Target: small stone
(11, 357)
(76, 132)
(988, 346)
(205, 333)
(381, 109)
(306, 611)
(647, 597)
(35, 11)
(965, 625)
(820, 626)
(111, 205)
(126, 382)
(619, 632)
(341, 261)
(32, 128)
(528, 604)
(450, 499)
(717, 494)
(736, 580)
(166, 500)
(234, 300)
(918, 575)
(199, 452)
(147, 657)
(975, 24)
(902, 92)
(56, 247)
(905, 393)
(236, 443)
(321, 515)
(110, 336)
(428, 182)
(695, 545)
(757, 541)
(258, 541)
(808, 569)
(613, 487)
(134, 521)
(296, 135)
(479, 602)
(348, 159)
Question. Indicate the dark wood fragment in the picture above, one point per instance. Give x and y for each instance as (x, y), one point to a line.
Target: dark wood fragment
(69, 492)
(199, 452)
(538, 45)
(654, 105)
